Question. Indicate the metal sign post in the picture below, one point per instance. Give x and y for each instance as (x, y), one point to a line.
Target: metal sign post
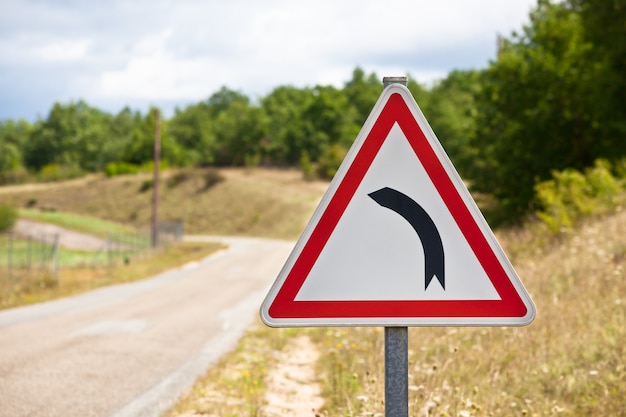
(396, 372)
(396, 348)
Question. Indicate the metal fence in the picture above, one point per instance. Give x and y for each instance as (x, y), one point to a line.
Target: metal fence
(40, 251)
(44, 252)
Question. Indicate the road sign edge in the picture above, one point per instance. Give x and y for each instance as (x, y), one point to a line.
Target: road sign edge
(466, 198)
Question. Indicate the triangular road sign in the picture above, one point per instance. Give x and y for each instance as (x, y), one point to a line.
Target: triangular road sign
(397, 240)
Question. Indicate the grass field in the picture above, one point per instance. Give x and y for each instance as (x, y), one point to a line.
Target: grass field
(569, 362)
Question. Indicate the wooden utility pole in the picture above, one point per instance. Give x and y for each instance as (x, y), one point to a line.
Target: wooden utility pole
(155, 182)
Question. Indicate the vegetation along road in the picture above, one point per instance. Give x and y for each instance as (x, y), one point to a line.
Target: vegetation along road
(132, 349)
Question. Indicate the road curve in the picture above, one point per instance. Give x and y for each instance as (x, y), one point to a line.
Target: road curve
(133, 349)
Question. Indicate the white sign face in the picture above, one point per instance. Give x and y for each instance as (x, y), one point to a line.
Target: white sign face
(397, 240)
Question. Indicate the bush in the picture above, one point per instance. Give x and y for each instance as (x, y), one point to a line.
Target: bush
(55, 172)
(15, 176)
(329, 162)
(123, 168)
(120, 168)
(306, 165)
(571, 195)
(8, 217)
(146, 185)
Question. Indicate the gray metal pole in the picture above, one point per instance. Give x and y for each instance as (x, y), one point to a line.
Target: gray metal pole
(387, 81)
(396, 372)
(396, 347)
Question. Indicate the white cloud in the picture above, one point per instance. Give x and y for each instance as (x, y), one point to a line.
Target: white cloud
(38, 50)
(62, 51)
(160, 50)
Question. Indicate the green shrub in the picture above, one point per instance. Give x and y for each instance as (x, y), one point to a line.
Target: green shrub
(604, 187)
(120, 168)
(146, 185)
(306, 165)
(124, 168)
(15, 176)
(149, 166)
(8, 217)
(55, 172)
(252, 161)
(330, 160)
(571, 195)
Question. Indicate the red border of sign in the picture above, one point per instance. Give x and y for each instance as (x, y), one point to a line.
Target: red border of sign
(284, 305)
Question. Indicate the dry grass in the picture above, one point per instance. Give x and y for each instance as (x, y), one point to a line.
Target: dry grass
(254, 202)
(236, 385)
(28, 287)
(568, 362)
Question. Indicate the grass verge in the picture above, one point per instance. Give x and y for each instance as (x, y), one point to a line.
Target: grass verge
(77, 222)
(236, 386)
(22, 287)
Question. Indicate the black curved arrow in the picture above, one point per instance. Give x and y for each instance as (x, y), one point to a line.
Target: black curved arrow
(423, 225)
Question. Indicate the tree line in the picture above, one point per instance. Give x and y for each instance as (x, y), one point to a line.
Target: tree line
(554, 98)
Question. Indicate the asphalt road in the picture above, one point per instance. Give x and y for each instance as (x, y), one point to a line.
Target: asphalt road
(133, 349)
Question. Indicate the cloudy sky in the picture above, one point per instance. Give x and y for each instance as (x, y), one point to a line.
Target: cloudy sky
(138, 53)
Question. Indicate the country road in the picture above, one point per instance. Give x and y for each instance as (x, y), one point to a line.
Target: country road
(133, 349)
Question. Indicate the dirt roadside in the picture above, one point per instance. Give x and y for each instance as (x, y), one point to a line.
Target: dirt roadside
(292, 387)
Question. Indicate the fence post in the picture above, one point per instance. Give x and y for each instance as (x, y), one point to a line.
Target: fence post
(29, 252)
(108, 250)
(42, 252)
(180, 231)
(56, 256)
(10, 254)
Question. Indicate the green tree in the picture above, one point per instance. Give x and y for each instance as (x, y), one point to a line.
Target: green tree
(603, 24)
(223, 130)
(451, 112)
(13, 136)
(362, 92)
(329, 120)
(8, 217)
(239, 132)
(286, 133)
(536, 109)
(193, 130)
(120, 134)
(72, 135)
(223, 99)
(140, 149)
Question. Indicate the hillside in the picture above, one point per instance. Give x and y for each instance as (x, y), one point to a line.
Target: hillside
(255, 202)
